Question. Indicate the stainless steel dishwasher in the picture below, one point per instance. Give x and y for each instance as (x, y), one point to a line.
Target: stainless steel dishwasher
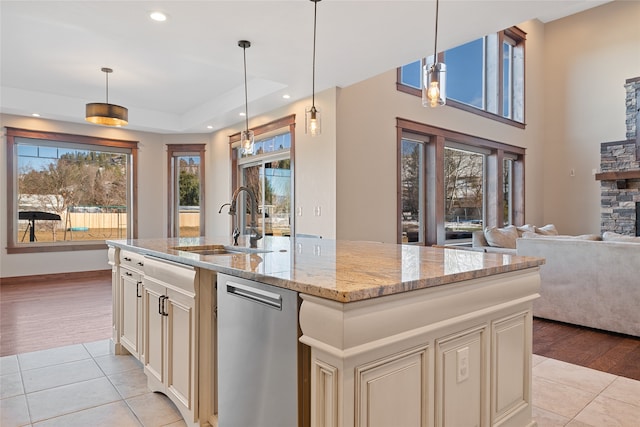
(258, 370)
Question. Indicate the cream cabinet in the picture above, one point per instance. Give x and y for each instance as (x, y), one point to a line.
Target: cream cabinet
(170, 319)
(130, 290)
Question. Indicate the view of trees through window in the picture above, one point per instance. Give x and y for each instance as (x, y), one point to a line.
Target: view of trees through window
(411, 164)
(464, 192)
(87, 188)
(189, 195)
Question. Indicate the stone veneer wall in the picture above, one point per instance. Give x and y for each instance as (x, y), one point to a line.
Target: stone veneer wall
(618, 206)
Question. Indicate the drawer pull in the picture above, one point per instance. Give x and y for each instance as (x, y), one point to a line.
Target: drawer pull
(128, 274)
(127, 259)
(141, 264)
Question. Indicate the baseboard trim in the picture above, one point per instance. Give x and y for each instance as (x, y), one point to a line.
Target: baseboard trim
(82, 275)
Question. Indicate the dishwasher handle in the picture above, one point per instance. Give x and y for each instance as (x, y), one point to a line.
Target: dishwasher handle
(251, 293)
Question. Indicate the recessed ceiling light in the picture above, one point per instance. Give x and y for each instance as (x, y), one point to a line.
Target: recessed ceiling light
(158, 16)
(209, 127)
(35, 115)
(242, 114)
(286, 96)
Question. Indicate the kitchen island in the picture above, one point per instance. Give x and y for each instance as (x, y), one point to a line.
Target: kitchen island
(397, 334)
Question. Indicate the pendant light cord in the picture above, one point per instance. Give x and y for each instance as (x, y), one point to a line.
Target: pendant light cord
(246, 96)
(435, 43)
(107, 76)
(313, 75)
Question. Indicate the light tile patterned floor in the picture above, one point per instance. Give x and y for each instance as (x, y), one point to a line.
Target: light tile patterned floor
(84, 385)
(80, 385)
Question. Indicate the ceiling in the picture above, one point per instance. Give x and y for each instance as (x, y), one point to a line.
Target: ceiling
(185, 74)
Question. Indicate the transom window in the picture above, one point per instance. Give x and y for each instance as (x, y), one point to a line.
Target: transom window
(66, 191)
(484, 76)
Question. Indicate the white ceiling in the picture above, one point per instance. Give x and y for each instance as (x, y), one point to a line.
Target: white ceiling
(187, 73)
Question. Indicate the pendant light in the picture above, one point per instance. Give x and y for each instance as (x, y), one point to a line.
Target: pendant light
(246, 136)
(434, 76)
(312, 115)
(105, 113)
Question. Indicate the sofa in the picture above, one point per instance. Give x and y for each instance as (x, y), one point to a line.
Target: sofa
(588, 282)
(503, 240)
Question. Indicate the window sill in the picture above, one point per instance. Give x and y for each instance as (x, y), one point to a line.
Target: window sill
(55, 247)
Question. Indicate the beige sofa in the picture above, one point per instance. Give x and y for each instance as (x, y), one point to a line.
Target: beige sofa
(589, 283)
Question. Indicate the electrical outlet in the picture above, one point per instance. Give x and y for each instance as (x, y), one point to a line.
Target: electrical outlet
(463, 364)
(317, 211)
(299, 211)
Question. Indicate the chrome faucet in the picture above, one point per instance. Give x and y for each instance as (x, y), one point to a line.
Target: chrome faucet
(254, 234)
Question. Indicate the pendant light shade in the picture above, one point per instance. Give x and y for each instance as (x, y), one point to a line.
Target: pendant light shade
(434, 76)
(247, 141)
(104, 113)
(312, 115)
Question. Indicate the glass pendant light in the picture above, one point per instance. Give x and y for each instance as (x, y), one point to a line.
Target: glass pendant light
(312, 115)
(106, 114)
(246, 136)
(434, 76)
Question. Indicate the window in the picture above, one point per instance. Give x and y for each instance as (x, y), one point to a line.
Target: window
(412, 184)
(450, 184)
(186, 195)
(269, 173)
(464, 188)
(484, 76)
(68, 192)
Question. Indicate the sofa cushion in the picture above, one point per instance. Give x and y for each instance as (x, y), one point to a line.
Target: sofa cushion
(610, 236)
(501, 237)
(593, 237)
(548, 230)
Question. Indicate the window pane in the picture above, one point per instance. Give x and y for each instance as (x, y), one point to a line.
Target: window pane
(277, 195)
(507, 79)
(464, 193)
(87, 188)
(507, 190)
(410, 74)
(412, 199)
(188, 185)
(465, 73)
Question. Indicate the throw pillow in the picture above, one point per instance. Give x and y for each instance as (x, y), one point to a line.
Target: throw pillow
(547, 230)
(501, 237)
(610, 236)
(527, 228)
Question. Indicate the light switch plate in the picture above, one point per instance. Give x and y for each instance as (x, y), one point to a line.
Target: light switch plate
(463, 364)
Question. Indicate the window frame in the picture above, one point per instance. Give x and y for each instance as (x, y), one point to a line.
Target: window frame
(173, 152)
(14, 247)
(437, 139)
(274, 126)
(512, 33)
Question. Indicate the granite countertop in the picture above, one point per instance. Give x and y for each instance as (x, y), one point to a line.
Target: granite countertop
(339, 270)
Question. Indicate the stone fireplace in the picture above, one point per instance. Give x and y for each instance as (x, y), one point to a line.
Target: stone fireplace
(620, 172)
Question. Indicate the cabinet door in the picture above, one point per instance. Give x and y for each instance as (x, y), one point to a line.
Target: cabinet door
(130, 296)
(154, 329)
(181, 347)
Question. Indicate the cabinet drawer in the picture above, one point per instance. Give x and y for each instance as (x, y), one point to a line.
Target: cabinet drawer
(132, 260)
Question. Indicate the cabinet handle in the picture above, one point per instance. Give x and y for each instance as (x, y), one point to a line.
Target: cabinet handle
(160, 300)
(127, 259)
(164, 312)
(141, 264)
(128, 274)
(138, 289)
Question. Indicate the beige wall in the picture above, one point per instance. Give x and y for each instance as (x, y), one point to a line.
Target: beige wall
(588, 57)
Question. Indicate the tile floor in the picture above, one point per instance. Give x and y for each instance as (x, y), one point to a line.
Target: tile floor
(84, 385)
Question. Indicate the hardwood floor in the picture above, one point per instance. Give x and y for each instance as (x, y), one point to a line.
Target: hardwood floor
(68, 310)
(61, 311)
(614, 353)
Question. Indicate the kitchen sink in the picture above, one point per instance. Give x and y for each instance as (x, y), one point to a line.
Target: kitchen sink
(218, 250)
